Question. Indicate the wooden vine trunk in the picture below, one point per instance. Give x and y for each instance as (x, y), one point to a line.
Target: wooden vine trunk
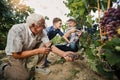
(108, 5)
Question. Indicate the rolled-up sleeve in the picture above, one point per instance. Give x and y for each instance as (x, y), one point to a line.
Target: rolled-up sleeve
(14, 42)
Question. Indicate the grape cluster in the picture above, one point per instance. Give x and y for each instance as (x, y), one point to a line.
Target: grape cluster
(110, 22)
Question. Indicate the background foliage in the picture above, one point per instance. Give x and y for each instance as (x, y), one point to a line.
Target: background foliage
(80, 9)
(11, 12)
(102, 58)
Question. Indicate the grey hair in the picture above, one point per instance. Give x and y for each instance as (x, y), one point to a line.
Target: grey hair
(34, 18)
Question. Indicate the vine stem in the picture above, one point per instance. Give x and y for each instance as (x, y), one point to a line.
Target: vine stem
(98, 3)
(108, 5)
(98, 10)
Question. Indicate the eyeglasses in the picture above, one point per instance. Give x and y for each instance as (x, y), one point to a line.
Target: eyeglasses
(42, 24)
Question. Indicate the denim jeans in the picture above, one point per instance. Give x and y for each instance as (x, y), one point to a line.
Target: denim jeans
(71, 47)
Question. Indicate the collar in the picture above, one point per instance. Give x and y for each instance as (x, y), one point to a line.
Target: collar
(29, 31)
(53, 27)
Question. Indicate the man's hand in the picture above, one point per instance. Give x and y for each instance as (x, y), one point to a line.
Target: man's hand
(70, 56)
(44, 50)
(67, 58)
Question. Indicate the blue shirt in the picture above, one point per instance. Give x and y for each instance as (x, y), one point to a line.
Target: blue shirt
(52, 32)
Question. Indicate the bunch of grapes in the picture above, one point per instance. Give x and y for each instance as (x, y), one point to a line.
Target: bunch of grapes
(110, 23)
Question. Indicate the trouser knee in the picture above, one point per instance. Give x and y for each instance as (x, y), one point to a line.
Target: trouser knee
(10, 73)
(73, 47)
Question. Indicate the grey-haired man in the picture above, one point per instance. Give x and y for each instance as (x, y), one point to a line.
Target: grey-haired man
(21, 42)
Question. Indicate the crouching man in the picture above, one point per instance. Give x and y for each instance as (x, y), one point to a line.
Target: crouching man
(21, 42)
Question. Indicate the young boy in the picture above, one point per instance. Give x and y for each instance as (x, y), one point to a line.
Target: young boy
(52, 31)
(73, 36)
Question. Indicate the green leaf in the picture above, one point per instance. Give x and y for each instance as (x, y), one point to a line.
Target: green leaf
(90, 54)
(82, 10)
(89, 20)
(85, 3)
(112, 58)
(103, 6)
(10, 15)
(117, 48)
(101, 70)
(92, 64)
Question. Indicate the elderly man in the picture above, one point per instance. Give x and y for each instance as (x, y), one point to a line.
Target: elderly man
(21, 44)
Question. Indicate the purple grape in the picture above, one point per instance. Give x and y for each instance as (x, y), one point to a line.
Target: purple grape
(110, 22)
(111, 10)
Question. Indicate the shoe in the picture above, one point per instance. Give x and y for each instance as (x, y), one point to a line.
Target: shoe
(2, 67)
(42, 70)
(47, 63)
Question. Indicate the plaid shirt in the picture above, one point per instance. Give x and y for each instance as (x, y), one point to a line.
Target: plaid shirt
(20, 38)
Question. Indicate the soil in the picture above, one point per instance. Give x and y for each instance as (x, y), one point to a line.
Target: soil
(62, 70)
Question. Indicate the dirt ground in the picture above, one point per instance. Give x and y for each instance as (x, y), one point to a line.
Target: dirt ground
(61, 70)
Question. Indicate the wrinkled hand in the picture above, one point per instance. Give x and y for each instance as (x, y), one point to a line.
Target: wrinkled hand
(66, 57)
(70, 56)
(44, 50)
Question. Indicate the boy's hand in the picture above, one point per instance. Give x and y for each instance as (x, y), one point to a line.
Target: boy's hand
(73, 30)
(79, 33)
